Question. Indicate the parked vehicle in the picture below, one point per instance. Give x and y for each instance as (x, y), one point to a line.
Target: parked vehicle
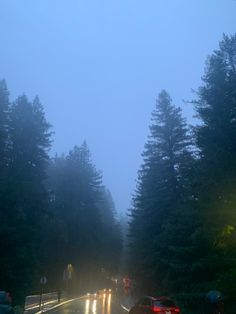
(5, 303)
(157, 305)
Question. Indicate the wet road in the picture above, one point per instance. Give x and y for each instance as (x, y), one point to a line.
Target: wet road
(102, 304)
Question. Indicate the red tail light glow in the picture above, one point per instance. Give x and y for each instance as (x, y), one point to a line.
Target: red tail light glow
(163, 310)
(157, 309)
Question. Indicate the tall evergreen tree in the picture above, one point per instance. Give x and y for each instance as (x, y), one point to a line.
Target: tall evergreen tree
(215, 137)
(76, 186)
(25, 195)
(4, 117)
(159, 210)
(85, 211)
(112, 237)
(5, 229)
(4, 139)
(85, 184)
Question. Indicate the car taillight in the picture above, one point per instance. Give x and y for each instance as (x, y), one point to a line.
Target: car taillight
(157, 309)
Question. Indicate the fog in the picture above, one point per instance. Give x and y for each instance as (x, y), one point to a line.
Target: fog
(98, 67)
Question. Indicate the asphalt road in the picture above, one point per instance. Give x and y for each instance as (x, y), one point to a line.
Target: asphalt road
(102, 304)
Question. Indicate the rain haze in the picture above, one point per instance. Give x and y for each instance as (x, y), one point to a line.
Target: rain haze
(98, 67)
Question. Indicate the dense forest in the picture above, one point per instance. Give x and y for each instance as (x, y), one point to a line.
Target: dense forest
(54, 211)
(182, 222)
(182, 236)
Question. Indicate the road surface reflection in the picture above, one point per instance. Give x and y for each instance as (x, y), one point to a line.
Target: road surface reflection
(99, 304)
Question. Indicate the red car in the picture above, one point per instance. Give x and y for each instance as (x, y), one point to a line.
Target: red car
(155, 305)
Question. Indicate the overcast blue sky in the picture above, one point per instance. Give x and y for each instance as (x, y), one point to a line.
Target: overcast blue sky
(98, 66)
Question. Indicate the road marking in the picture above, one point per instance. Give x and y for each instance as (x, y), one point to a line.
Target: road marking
(124, 308)
(43, 303)
(54, 307)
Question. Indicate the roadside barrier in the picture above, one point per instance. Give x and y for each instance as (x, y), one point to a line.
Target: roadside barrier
(32, 302)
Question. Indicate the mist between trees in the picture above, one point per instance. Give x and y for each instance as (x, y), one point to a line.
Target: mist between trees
(181, 235)
(54, 212)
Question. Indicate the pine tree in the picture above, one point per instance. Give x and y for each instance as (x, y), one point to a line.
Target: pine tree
(76, 184)
(4, 142)
(215, 137)
(5, 229)
(25, 196)
(85, 182)
(86, 213)
(159, 212)
(4, 117)
(112, 242)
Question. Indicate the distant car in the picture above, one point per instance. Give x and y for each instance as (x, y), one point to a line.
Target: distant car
(103, 292)
(5, 303)
(157, 305)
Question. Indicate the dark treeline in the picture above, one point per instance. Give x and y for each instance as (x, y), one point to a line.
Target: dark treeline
(53, 212)
(182, 234)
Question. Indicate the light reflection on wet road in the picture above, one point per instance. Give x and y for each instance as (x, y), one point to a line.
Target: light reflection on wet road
(103, 304)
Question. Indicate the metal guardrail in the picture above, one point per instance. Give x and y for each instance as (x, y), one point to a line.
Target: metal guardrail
(32, 302)
(49, 302)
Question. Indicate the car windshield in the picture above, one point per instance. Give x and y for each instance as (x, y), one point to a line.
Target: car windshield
(164, 303)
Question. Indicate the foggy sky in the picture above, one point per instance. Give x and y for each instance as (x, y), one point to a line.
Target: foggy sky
(98, 66)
